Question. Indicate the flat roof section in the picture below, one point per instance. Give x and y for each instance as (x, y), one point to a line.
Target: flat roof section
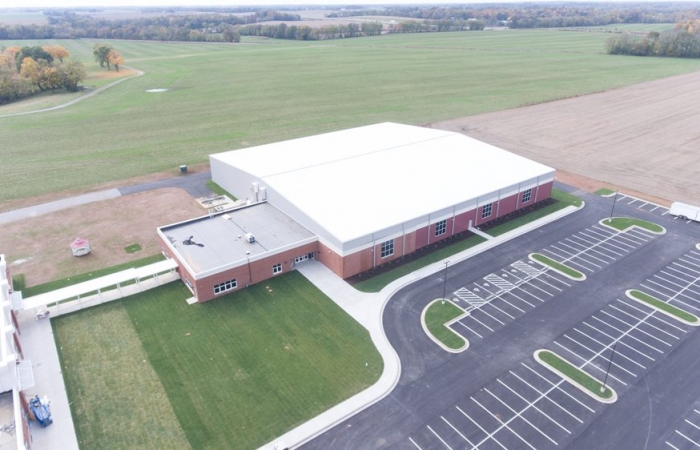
(210, 243)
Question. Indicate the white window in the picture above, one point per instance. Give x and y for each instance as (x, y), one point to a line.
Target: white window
(486, 211)
(225, 286)
(441, 228)
(387, 248)
(301, 258)
(277, 268)
(527, 195)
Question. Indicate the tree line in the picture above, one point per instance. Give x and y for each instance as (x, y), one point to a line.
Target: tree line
(191, 27)
(526, 15)
(27, 70)
(681, 42)
(307, 33)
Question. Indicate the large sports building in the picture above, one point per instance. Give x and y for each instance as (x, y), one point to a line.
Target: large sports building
(352, 199)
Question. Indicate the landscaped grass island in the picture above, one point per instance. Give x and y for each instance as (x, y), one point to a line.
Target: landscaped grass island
(558, 267)
(663, 307)
(576, 376)
(151, 371)
(435, 318)
(624, 223)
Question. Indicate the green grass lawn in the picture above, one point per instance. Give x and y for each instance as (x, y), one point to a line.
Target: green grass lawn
(564, 200)
(623, 223)
(233, 373)
(658, 304)
(225, 97)
(436, 316)
(379, 282)
(604, 192)
(573, 273)
(588, 382)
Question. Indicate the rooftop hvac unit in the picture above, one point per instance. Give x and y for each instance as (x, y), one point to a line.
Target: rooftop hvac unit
(249, 237)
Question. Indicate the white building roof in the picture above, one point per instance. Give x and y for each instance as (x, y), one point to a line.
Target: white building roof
(358, 181)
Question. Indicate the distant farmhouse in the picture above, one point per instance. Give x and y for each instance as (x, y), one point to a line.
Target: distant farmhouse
(351, 199)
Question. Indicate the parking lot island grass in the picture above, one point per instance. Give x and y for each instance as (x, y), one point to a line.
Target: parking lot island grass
(236, 372)
(75, 279)
(576, 376)
(604, 192)
(623, 223)
(379, 282)
(558, 267)
(435, 317)
(663, 307)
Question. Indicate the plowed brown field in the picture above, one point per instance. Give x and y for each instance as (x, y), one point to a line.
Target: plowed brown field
(643, 138)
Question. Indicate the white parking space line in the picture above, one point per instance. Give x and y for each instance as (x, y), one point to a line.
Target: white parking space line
(546, 397)
(535, 407)
(636, 327)
(658, 318)
(681, 279)
(686, 267)
(687, 438)
(512, 305)
(692, 424)
(680, 272)
(655, 208)
(607, 240)
(462, 324)
(567, 260)
(481, 323)
(438, 436)
(618, 352)
(668, 297)
(556, 386)
(503, 425)
(414, 443)
(457, 431)
(629, 335)
(519, 414)
(488, 435)
(646, 323)
(672, 446)
(605, 255)
(619, 341)
(586, 362)
(690, 263)
(595, 353)
(665, 212)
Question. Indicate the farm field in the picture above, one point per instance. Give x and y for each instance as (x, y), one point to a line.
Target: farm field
(232, 96)
(151, 371)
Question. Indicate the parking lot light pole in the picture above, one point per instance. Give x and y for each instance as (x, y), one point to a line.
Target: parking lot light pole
(612, 355)
(613, 206)
(444, 284)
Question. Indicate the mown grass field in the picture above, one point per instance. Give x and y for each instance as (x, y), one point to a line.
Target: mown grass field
(225, 97)
(151, 371)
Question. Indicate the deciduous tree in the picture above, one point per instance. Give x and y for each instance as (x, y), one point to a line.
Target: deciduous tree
(114, 58)
(101, 51)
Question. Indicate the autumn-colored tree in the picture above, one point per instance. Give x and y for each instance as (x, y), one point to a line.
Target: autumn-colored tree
(57, 52)
(72, 72)
(114, 58)
(101, 51)
(30, 70)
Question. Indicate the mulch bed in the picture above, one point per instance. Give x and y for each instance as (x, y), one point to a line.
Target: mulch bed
(432, 248)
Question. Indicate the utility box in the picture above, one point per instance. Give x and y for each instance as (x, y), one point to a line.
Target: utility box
(249, 237)
(183, 169)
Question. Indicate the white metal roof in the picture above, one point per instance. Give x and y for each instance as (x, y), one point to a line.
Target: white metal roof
(359, 181)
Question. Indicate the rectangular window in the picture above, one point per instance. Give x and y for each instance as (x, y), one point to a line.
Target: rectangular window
(527, 195)
(486, 210)
(277, 268)
(441, 228)
(387, 248)
(225, 286)
(301, 258)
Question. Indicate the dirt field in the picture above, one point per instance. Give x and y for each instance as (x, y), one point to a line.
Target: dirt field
(643, 138)
(39, 248)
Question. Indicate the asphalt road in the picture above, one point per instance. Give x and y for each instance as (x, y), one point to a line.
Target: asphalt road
(495, 396)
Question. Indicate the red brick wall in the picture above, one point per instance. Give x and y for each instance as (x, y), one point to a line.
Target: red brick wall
(545, 191)
(506, 205)
(330, 259)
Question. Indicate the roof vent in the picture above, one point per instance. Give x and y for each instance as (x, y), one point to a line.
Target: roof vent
(249, 237)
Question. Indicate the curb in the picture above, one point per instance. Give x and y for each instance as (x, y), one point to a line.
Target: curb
(436, 340)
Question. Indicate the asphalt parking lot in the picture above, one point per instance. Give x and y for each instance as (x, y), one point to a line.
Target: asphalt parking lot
(496, 395)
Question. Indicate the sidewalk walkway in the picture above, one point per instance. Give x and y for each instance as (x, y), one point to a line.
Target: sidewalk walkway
(45, 208)
(367, 309)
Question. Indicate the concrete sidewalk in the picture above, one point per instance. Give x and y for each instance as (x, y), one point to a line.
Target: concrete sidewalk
(368, 309)
(45, 208)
